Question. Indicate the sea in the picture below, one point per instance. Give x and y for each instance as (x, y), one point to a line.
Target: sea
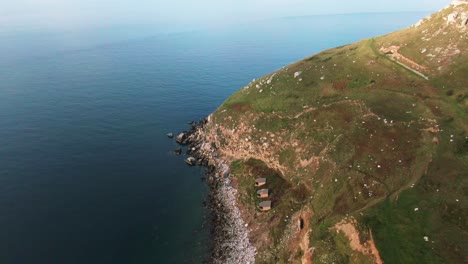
(87, 173)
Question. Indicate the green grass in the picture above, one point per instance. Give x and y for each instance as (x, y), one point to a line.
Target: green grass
(399, 235)
(399, 229)
(246, 173)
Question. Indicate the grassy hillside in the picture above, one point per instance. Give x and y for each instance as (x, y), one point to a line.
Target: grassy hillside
(362, 145)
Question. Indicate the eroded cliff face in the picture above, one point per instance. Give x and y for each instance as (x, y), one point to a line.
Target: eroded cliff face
(364, 148)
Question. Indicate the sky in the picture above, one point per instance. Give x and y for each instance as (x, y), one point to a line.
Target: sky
(20, 14)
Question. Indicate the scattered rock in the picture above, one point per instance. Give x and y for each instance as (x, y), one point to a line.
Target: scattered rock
(178, 151)
(458, 2)
(182, 138)
(452, 18)
(271, 78)
(170, 135)
(419, 23)
(231, 242)
(191, 161)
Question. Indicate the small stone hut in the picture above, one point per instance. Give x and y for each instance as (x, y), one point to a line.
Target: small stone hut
(260, 182)
(265, 206)
(263, 193)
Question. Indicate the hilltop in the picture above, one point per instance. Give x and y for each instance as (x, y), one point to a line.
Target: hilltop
(364, 148)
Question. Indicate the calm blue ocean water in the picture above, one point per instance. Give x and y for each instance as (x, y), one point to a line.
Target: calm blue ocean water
(86, 171)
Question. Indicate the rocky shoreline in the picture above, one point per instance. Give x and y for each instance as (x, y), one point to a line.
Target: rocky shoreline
(230, 234)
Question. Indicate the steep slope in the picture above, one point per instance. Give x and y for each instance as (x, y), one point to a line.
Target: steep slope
(364, 147)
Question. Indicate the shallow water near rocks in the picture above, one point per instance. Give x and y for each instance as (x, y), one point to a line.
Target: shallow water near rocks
(87, 173)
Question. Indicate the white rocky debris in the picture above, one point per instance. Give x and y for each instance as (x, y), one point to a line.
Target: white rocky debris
(296, 74)
(452, 18)
(232, 239)
(271, 78)
(458, 17)
(240, 250)
(464, 19)
(418, 23)
(458, 2)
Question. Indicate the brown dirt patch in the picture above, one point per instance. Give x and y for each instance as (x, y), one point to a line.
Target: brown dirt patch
(340, 85)
(348, 227)
(240, 107)
(314, 162)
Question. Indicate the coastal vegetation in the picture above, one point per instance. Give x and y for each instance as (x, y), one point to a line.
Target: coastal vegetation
(364, 147)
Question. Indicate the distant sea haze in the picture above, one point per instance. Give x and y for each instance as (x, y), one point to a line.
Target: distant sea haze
(87, 174)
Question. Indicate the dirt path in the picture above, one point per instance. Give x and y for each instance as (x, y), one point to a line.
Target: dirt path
(307, 109)
(307, 256)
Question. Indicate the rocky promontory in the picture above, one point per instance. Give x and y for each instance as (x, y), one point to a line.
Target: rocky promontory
(230, 232)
